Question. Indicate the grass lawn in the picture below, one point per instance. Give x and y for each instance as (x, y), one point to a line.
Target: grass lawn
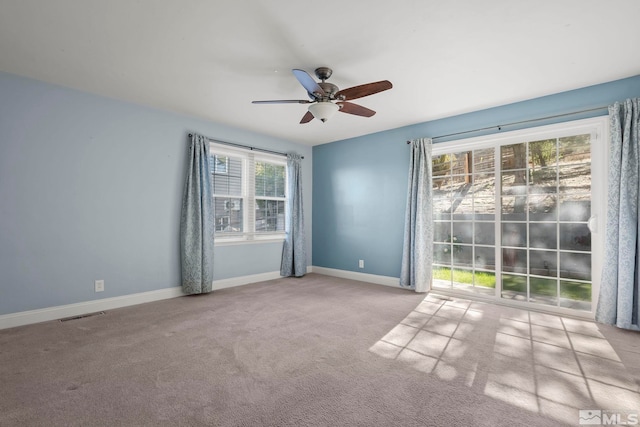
(547, 287)
(484, 279)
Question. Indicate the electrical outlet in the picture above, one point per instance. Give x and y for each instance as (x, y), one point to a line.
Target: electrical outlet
(361, 263)
(99, 285)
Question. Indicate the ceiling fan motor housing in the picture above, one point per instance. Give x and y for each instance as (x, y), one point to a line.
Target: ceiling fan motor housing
(329, 89)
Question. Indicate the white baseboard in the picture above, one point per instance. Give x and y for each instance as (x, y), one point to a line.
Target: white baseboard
(362, 277)
(244, 280)
(59, 312)
(62, 311)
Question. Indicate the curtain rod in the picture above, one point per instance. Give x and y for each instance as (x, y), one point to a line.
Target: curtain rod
(248, 147)
(518, 123)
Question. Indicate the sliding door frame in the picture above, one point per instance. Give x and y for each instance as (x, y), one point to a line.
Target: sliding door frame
(598, 127)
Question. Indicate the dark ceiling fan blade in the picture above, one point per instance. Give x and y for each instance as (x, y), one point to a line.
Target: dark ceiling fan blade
(309, 84)
(284, 101)
(363, 90)
(358, 110)
(306, 118)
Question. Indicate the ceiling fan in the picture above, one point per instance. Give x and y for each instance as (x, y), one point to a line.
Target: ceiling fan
(326, 99)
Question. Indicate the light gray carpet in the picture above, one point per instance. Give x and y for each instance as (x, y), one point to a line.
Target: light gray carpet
(315, 351)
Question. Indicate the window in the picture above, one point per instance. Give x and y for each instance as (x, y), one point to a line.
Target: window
(270, 196)
(249, 194)
(515, 215)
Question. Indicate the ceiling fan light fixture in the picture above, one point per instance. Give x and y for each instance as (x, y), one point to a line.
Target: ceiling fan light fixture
(323, 110)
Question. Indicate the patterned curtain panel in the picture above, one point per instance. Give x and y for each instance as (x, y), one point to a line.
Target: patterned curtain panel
(618, 301)
(417, 251)
(294, 253)
(197, 221)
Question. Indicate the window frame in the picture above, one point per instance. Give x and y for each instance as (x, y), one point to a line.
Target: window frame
(599, 176)
(249, 158)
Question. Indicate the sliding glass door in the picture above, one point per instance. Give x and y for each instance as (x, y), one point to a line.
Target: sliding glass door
(464, 213)
(514, 214)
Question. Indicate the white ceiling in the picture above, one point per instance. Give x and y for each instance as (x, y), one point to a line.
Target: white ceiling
(210, 59)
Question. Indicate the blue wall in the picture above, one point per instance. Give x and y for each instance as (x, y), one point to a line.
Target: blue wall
(359, 184)
(91, 188)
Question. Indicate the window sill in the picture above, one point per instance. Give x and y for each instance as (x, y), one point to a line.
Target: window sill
(225, 242)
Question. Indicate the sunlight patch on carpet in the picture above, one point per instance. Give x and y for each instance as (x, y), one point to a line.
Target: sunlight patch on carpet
(539, 362)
